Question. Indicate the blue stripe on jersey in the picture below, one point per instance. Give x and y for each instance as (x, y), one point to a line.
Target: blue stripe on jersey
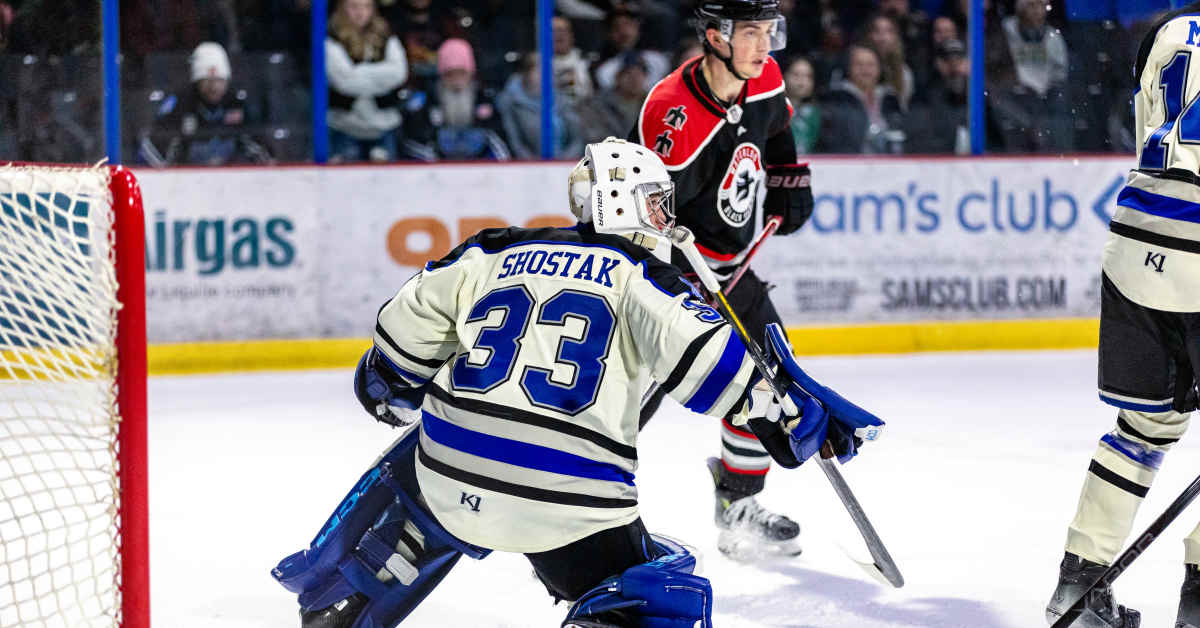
(1136, 452)
(1133, 405)
(719, 377)
(519, 453)
(645, 271)
(1159, 205)
(409, 376)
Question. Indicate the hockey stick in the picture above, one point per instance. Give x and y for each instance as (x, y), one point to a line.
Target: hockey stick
(884, 568)
(768, 230)
(1129, 555)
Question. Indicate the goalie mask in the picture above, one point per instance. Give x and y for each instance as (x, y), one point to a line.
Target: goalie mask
(622, 188)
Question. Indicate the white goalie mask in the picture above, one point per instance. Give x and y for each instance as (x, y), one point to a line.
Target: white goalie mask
(623, 188)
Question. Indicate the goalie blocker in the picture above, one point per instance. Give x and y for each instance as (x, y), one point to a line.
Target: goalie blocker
(825, 416)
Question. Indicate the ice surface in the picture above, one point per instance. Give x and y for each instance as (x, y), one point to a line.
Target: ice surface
(971, 487)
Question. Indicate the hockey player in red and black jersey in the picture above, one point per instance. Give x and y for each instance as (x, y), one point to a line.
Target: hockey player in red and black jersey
(720, 123)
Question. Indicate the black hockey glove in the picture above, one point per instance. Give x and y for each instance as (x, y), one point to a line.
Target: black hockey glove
(789, 195)
(384, 394)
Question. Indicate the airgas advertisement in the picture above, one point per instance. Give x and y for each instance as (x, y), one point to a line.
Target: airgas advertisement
(310, 252)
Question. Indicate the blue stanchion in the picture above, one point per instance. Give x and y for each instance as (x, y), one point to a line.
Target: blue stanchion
(545, 13)
(111, 51)
(978, 94)
(320, 83)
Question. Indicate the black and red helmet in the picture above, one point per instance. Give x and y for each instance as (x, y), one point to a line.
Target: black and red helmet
(737, 10)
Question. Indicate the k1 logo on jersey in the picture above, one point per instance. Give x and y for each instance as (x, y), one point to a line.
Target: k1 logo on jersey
(738, 196)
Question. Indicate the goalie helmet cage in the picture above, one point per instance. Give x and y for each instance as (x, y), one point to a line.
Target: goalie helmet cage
(73, 478)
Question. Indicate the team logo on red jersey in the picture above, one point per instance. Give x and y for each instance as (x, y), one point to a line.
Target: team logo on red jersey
(738, 196)
(676, 117)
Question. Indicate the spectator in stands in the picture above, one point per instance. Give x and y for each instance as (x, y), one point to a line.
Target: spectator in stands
(1038, 50)
(571, 78)
(861, 115)
(457, 120)
(55, 28)
(1026, 72)
(944, 29)
(6, 18)
(883, 35)
(913, 27)
(417, 28)
(624, 35)
(937, 121)
(520, 106)
(208, 126)
(366, 66)
(800, 81)
(614, 112)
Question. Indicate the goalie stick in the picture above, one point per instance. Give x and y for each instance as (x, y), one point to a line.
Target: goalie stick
(884, 568)
(1132, 552)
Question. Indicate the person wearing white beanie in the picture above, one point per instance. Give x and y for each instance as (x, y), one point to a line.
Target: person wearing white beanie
(206, 125)
(210, 71)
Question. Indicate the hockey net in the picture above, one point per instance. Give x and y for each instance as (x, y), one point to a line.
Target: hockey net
(72, 399)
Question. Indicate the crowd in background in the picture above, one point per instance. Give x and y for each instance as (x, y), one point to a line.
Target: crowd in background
(227, 81)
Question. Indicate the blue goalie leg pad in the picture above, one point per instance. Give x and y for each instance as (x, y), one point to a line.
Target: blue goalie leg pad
(379, 542)
(663, 593)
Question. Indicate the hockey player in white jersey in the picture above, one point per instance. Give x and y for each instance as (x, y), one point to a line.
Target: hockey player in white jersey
(522, 356)
(1149, 325)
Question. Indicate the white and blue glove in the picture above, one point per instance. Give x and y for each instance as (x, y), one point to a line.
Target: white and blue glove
(825, 416)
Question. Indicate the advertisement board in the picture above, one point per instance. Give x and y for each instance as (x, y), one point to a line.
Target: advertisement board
(971, 239)
(307, 252)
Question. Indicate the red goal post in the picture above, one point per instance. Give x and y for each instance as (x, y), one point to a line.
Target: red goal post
(73, 460)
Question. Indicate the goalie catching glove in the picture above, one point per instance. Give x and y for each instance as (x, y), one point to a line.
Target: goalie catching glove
(789, 195)
(385, 393)
(825, 416)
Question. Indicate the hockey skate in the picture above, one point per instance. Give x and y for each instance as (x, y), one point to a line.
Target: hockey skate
(748, 531)
(1100, 611)
(1189, 599)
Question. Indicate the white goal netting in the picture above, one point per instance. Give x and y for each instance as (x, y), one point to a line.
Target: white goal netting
(59, 497)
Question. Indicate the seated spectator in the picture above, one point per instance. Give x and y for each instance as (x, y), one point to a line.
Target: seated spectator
(207, 126)
(415, 24)
(624, 35)
(1026, 73)
(800, 82)
(366, 66)
(861, 115)
(1038, 50)
(457, 119)
(614, 112)
(944, 29)
(913, 26)
(937, 122)
(520, 106)
(883, 35)
(6, 18)
(571, 78)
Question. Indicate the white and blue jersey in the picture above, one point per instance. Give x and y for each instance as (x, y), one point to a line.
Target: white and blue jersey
(537, 346)
(1153, 251)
